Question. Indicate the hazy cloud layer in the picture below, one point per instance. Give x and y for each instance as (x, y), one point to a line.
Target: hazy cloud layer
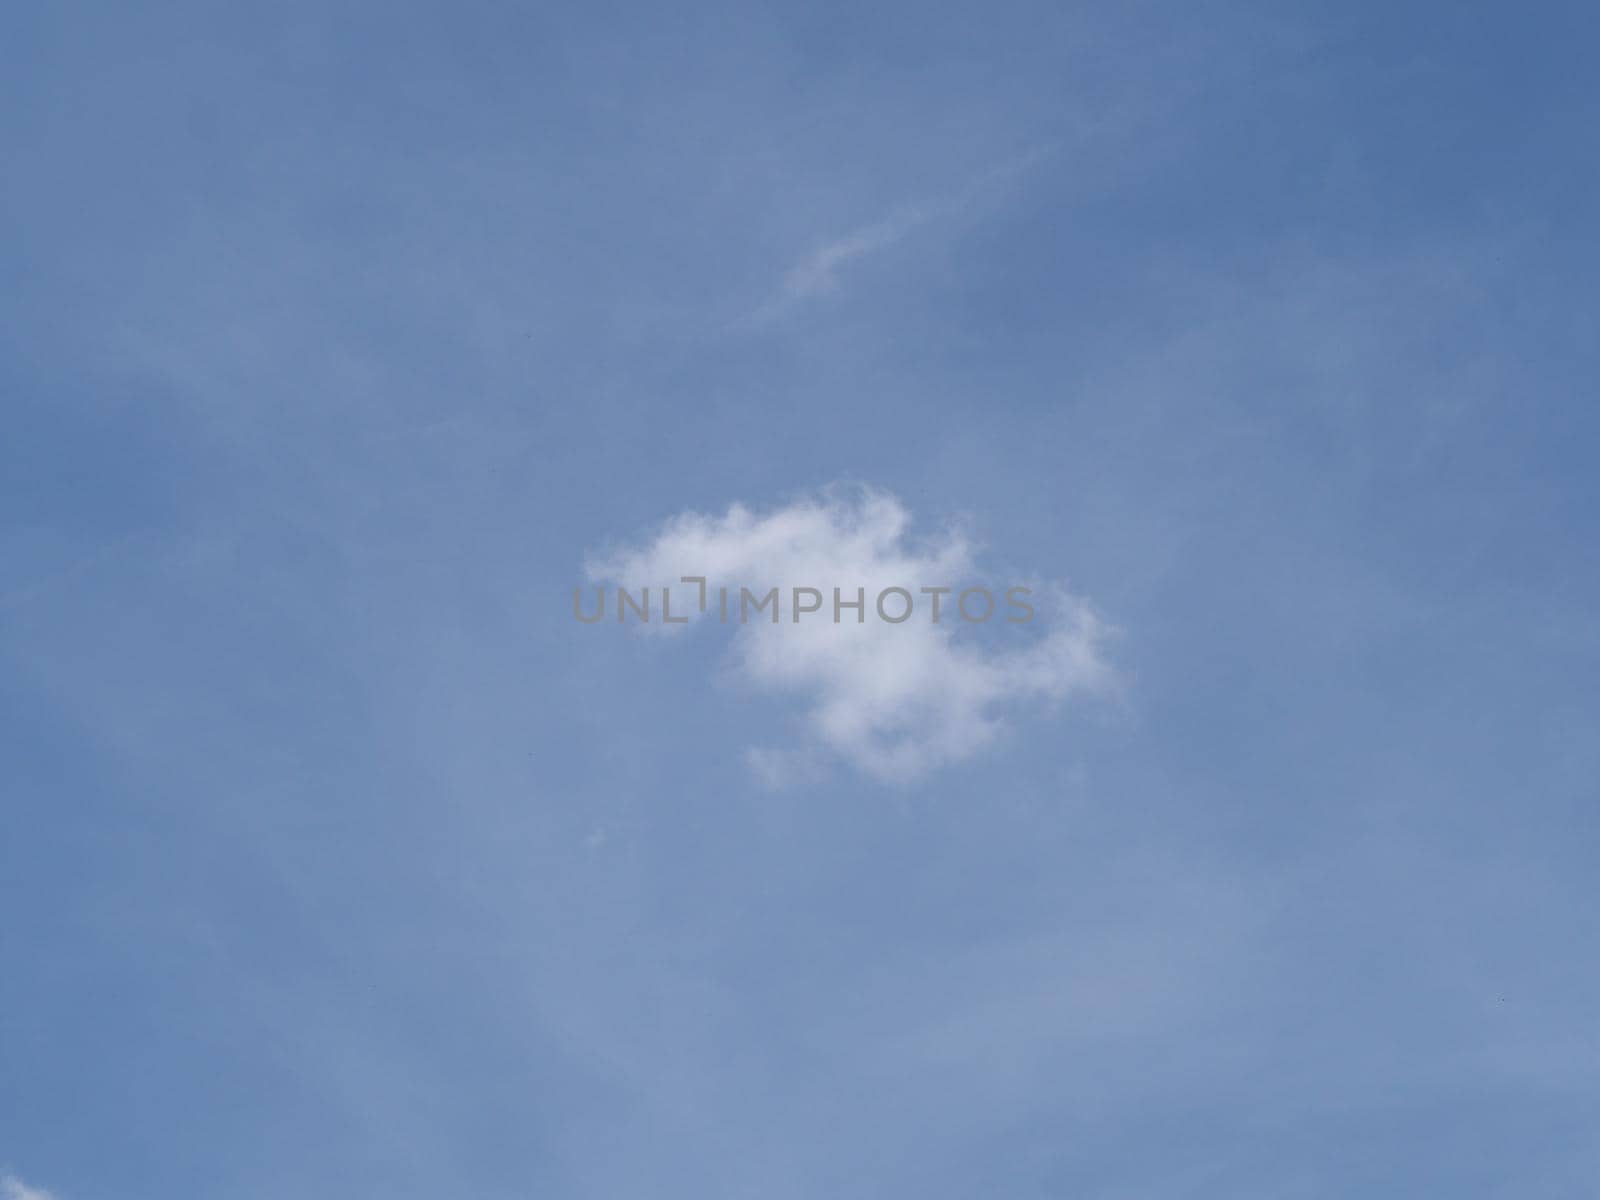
(894, 700)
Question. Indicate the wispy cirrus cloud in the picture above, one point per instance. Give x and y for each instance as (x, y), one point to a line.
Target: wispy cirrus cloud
(821, 269)
(818, 272)
(895, 701)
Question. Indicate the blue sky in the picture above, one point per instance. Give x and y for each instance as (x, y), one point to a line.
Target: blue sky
(338, 860)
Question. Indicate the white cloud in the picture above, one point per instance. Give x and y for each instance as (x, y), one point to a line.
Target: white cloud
(894, 700)
(819, 271)
(12, 1188)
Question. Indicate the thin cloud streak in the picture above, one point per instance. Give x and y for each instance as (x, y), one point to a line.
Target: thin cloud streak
(820, 272)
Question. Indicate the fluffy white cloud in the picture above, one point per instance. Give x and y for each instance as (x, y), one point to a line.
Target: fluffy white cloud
(895, 700)
(12, 1188)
